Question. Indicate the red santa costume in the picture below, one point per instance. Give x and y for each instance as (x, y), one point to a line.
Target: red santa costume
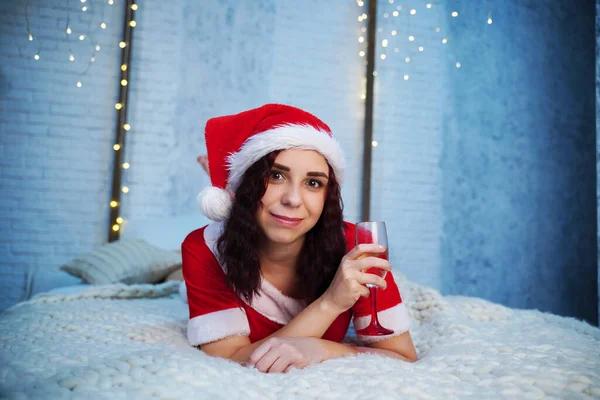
(216, 312)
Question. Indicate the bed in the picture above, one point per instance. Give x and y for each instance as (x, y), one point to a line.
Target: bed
(128, 341)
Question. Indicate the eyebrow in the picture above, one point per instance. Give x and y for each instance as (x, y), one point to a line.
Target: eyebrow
(287, 169)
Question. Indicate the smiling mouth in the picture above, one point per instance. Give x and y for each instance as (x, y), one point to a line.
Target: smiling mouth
(287, 220)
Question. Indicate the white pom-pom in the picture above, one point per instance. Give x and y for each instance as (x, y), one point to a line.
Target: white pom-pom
(215, 203)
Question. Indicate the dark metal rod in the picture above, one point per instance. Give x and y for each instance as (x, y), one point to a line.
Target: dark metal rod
(368, 135)
(121, 121)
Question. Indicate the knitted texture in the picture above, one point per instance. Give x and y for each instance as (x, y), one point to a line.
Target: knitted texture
(128, 342)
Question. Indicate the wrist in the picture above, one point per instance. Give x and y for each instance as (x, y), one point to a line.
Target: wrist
(327, 307)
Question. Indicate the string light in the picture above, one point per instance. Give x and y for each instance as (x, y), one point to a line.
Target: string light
(374, 143)
(383, 56)
(119, 220)
(457, 65)
(113, 204)
(405, 77)
(134, 7)
(81, 37)
(421, 48)
(30, 37)
(384, 42)
(127, 127)
(413, 11)
(84, 8)
(124, 67)
(125, 189)
(122, 45)
(394, 33)
(97, 47)
(111, 2)
(132, 24)
(126, 165)
(454, 14)
(395, 13)
(361, 53)
(115, 227)
(407, 59)
(36, 57)
(411, 38)
(69, 31)
(361, 39)
(78, 83)
(117, 147)
(444, 40)
(428, 5)
(118, 106)
(71, 57)
(123, 82)
(103, 25)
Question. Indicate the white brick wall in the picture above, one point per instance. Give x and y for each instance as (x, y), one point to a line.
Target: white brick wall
(56, 139)
(406, 183)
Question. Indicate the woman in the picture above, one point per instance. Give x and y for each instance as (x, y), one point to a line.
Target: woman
(275, 282)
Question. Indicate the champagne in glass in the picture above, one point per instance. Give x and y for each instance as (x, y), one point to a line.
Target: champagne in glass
(373, 232)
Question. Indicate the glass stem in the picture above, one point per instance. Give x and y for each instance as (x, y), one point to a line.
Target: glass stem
(373, 295)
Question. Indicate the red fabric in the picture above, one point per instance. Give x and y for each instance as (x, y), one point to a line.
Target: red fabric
(208, 291)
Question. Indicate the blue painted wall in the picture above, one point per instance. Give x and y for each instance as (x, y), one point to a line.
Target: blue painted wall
(518, 160)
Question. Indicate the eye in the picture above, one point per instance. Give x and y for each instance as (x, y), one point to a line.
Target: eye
(315, 183)
(275, 175)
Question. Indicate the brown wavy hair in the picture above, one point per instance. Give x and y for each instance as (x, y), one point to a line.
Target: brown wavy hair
(323, 248)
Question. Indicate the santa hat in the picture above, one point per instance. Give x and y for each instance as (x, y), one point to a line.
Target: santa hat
(235, 142)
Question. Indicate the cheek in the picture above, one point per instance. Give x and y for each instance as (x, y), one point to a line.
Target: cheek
(315, 203)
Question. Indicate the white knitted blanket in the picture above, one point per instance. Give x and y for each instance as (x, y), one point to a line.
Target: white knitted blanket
(128, 342)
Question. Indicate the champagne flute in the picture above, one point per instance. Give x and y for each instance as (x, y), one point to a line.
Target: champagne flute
(373, 232)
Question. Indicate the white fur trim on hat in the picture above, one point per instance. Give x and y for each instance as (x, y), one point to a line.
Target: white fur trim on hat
(215, 203)
(282, 138)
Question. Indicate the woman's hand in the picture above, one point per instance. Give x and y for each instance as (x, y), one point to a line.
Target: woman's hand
(283, 354)
(348, 283)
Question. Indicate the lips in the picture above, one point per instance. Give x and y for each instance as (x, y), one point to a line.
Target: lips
(287, 221)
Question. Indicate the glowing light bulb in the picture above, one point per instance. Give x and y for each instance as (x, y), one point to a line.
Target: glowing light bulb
(411, 38)
(405, 77)
(118, 106)
(132, 24)
(457, 65)
(394, 33)
(384, 42)
(444, 40)
(134, 7)
(119, 220)
(374, 143)
(97, 47)
(30, 37)
(490, 21)
(115, 227)
(36, 57)
(127, 127)
(125, 189)
(362, 53)
(69, 31)
(92, 59)
(413, 11)
(111, 2)
(116, 147)
(81, 37)
(421, 48)
(126, 165)
(124, 82)
(395, 13)
(361, 39)
(454, 14)
(363, 96)
(407, 59)
(71, 57)
(122, 45)
(124, 67)
(78, 83)
(383, 56)
(84, 8)
(428, 5)
(103, 25)
(114, 203)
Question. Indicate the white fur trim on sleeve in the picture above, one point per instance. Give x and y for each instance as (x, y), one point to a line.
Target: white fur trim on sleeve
(281, 138)
(395, 318)
(217, 325)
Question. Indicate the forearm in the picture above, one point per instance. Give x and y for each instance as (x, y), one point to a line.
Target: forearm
(389, 353)
(313, 321)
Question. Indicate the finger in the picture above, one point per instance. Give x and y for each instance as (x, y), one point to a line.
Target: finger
(267, 360)
(372, 279)
(280, 365)
(370, 262)
(364, 292)
(258, 353)
(364, 248)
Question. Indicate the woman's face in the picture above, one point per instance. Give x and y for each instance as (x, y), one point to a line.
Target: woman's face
(295, 195)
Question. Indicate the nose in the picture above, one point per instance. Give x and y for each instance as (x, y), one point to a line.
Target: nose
(292, 196)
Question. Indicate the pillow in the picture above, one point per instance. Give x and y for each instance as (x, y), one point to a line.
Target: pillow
(176, 275)
(126, 261)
